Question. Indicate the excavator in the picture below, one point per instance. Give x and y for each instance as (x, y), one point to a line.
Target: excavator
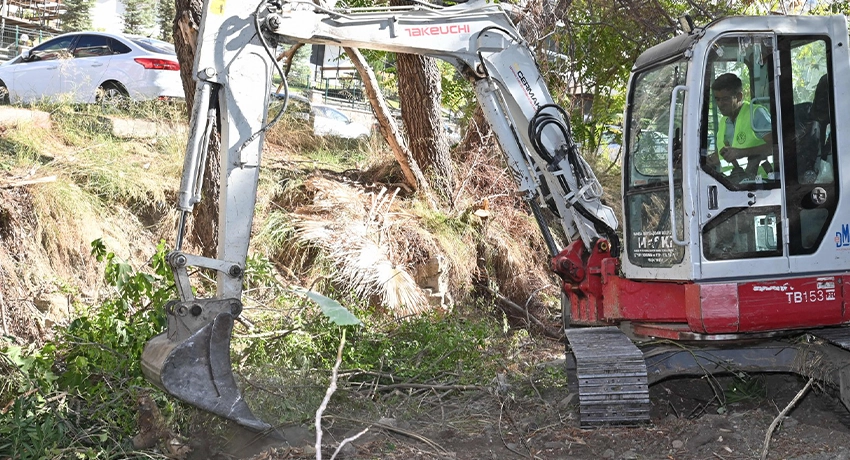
(725, 264)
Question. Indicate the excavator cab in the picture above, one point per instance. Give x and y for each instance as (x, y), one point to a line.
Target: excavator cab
(716, 197)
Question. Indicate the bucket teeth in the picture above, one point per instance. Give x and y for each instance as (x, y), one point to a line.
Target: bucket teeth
(191, 361)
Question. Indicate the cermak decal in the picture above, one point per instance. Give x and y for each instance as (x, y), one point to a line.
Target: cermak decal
(527, 86)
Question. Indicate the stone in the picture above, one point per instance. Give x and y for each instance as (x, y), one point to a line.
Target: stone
(347, 450)
(16, 116)
(629, 455)
(388, 422)
(298, 436)
(700, 440)
(677, 444)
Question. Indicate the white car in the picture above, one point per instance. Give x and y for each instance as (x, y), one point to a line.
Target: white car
(329, 121)
(87, 67)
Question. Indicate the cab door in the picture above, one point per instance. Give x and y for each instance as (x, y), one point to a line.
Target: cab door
(776, 219)
(741, 203)
(654, 208)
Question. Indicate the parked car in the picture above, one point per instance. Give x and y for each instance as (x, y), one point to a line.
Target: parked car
(328, 121)
(452, 132)
(87, 67)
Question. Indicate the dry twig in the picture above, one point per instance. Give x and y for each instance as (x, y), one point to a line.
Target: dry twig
(21, 183)
(347, 440)
(3, 314)
(782, 415)
(423, 386)
(328, 394)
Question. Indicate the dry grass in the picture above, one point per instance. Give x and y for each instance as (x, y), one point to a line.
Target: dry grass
(97, 186)
(351, 227)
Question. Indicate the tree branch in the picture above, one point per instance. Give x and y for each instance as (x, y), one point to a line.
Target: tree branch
(782, 415)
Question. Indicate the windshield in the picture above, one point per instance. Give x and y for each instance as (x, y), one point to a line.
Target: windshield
(649, 122)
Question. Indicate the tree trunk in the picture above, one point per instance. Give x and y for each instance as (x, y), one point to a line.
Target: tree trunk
(203, 231)
(419, 92)
(413, 176)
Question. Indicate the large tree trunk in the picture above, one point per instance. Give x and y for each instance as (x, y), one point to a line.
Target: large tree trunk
(204, 227)
(389, 129)
(419, 92)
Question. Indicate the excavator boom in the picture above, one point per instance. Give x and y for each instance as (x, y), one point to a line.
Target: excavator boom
(234, 62)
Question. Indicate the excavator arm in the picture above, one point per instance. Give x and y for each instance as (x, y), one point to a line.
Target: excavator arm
(234, 62)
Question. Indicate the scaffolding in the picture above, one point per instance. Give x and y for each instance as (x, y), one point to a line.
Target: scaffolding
(25, 23)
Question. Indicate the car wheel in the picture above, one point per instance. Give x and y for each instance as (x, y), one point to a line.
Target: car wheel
(4, 94)
(111, 95)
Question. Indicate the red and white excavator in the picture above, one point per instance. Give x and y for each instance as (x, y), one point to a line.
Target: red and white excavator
(734, 261)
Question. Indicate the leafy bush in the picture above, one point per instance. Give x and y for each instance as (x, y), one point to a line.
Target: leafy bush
(76, 396)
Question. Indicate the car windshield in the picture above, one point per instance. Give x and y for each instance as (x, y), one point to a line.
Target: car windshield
(153, 45)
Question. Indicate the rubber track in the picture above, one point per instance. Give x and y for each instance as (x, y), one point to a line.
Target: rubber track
(612, 378)
(839, 336)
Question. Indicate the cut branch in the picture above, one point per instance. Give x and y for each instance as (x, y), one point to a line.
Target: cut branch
(423, 386)
(781, 415)
(389, 129)
(21, 183)
(548, 331)
(328, 394)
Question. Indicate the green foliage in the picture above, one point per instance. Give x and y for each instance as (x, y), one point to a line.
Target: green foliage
(457, 95)
(598, 55)
(832, 7)
(336, 313)
(77, 15)
(75, 396)
(165, 13)
(425, 348)
(139, 16)
(745, 387)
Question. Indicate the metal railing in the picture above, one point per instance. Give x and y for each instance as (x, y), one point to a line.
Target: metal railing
(16, 39)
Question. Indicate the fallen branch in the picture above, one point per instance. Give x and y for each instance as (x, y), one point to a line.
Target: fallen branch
(273, 335)
(21, 183)
(384, 426)
(328, 394)
(423, 386)
(548, 331)
(782, 415)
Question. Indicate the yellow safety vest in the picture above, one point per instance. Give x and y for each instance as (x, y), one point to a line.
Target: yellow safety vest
(744, 136)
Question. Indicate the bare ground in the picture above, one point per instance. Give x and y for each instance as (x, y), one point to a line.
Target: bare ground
(538, 419)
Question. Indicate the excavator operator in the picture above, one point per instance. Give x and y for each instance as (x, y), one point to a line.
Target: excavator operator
(744, 131)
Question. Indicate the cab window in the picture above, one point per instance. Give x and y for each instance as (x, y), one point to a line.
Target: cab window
(739, 141)
(648, 142)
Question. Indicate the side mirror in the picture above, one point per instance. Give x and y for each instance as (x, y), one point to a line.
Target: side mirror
(26, 55)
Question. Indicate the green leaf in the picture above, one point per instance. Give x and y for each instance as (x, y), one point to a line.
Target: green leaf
(335, 312)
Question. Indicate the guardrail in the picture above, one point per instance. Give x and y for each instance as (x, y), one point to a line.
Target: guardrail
(16, 39)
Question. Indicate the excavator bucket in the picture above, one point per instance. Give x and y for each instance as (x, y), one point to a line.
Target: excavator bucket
(191, 360)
